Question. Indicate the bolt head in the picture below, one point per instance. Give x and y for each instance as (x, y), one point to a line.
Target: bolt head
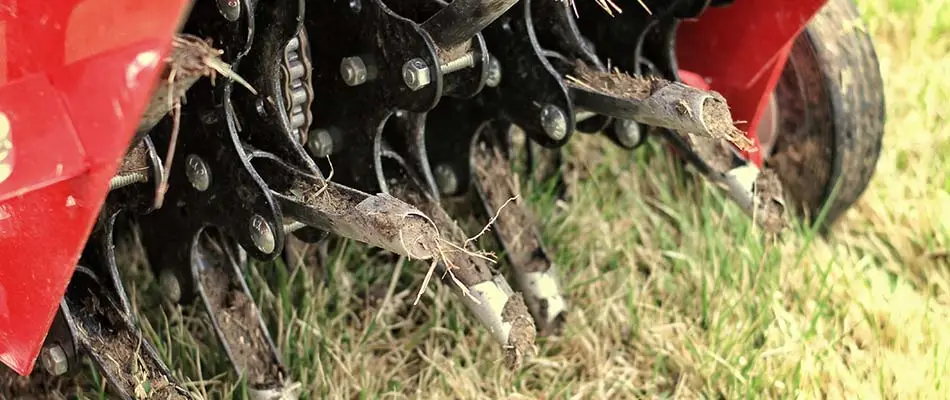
(198, 172)
(554, 122)
(353, 71)
(320, 142)
(494, 72)
(262, 235)
(54, 361)
(628, 132)
(446, 179)
(416, 74)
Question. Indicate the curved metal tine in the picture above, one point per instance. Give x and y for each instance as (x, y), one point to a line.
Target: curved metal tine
(515, 228)
(461, 20)
(103, 331)
(484, 292)
(404, 137)
(236, 318)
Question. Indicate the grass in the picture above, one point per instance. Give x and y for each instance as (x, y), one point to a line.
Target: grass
(673, 292)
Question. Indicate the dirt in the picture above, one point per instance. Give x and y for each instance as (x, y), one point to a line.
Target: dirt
(136, 160)
(522, 335)
(468, 269)
(238, 320)
(617, 83)
(454, 53)
(515, 225)
(718, 119)
(378, 220)
(771, 213)
(119, 351)
(715, 112)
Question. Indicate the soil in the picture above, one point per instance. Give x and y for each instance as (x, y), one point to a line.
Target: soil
(715, 113)
(515, 226)
(617, 83)
(468, 269)
(135, 160)
(522, 335)
(119, 352)
(771, 212)
(718, 119)
(239, 323)
(391, 221)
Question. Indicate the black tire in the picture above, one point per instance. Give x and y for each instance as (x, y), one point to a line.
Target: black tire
(829, 115)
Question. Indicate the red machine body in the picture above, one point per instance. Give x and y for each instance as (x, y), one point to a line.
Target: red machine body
(75, 76)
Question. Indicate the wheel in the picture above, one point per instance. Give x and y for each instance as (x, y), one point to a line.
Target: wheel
(825, 123)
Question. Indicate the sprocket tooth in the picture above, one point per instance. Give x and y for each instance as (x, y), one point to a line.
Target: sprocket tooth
(516, 230)
(237, 319)
(102, 330)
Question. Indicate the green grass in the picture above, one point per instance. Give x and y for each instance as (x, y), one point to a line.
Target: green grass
(673, 292)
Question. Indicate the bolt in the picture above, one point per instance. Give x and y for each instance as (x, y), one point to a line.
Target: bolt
(494, 72)
(446, 179)
(320, 142)
(198, 172)
(262, 234)
(230, 9)
(121, 181)
(416, 74)
(353, 71)
(171, 287)
(356, 6)
(54, 360)
(628, 132)
(458, 64)
(554, 122)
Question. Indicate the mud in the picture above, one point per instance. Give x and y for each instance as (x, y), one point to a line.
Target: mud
(239, 323)
(515, 225)
(714, 116)
(468, 269)
(119, 355)
(770, 213)
(378, 220)
(136, 160)
(617, 83)
(522, 335)
(718, 119)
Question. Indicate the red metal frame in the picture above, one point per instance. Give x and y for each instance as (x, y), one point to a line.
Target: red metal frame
(74, 78)
(740, 51)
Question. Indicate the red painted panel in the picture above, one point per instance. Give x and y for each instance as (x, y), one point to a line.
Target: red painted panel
(740, 51)
(75, 76)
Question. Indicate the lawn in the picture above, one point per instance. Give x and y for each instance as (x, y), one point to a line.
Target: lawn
(673, 292)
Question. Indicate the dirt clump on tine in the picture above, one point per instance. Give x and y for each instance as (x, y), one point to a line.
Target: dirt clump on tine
(516, 226)
(380, 220)
(713, 116)
(119, 349)
(523, 333)
(239, 322)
